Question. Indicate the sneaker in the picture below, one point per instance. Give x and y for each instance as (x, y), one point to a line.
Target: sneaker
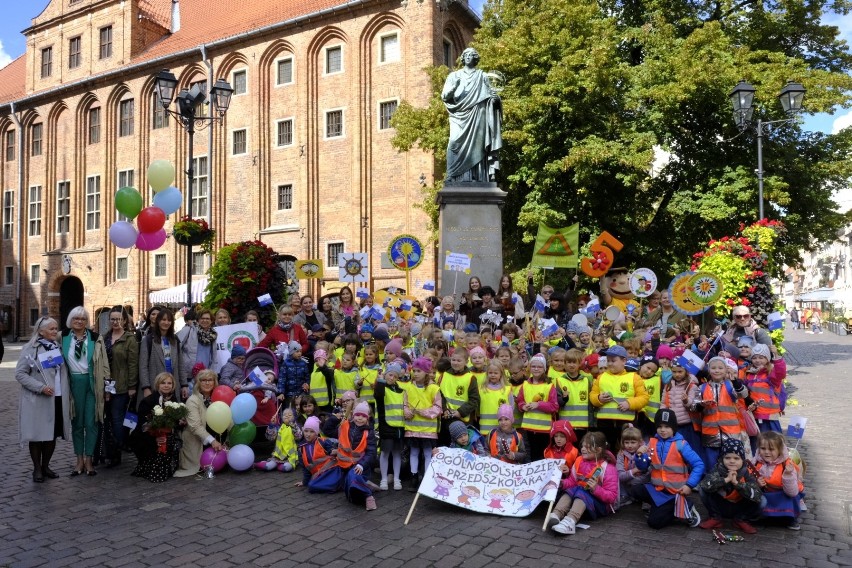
(794, 526)
(374, 487)
(397, 485)
(744, 526)
(383, 486)
(565, 526)
(371, 503)
(802, 505)
(694, 517)
(711, 524)
(552, 520)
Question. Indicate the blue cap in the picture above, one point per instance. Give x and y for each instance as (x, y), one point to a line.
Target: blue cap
(367, 328)
(617, 351)
(238, 350)
(632, 364)
(471, 328)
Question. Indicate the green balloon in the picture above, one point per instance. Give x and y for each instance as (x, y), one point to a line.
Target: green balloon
(161, 174)
(128, 202)
(242, 434)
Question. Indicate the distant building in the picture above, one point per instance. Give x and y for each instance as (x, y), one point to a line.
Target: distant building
(302, 161)
(825, 277)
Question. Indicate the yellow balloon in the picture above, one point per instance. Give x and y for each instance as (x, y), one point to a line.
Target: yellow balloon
(161, 174)
(219, 416)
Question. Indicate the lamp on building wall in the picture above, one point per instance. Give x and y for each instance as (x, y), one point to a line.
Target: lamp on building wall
(188, 101)
(742, 97)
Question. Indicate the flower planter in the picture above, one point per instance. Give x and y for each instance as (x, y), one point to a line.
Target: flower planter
(191, 240)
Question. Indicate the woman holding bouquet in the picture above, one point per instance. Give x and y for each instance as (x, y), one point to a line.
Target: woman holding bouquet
(197, 435)
(155, 440)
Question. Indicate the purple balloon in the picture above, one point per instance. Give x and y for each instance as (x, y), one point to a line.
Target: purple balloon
(214, 458)
(240, 457)
(151, 241)
(123, 234)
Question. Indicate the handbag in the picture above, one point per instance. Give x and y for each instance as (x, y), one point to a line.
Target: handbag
(749, 421)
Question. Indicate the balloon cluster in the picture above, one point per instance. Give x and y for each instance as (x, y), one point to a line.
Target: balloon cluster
(234, 411)
(150, 220)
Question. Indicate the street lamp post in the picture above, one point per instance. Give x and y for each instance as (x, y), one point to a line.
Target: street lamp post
(187, 103)
(742, 98)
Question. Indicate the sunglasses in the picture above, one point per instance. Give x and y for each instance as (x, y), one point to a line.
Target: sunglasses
(742, 316)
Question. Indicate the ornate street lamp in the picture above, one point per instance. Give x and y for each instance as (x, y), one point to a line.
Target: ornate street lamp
(187, 103)
(742, 98)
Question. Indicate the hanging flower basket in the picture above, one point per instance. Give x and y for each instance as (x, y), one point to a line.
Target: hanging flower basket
(194, 232)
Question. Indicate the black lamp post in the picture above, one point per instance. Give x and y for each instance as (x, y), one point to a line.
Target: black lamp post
(742, 97)
(187, 103)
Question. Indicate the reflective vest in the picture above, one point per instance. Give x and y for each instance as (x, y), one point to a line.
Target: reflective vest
(576, 391)
(671, 474)
(369, 377)
(653, 386)
(489, 403)
(570, 455)
(721, 417)
(774, 481)
(345, 380)
(454, 388)
(761, 391)
(346, 455)
(621, 388)
(320, 461)
(554, 374)
(285, 445)
(536, 420)
(480, 377)
(503, 448)
(421, 398)
(393, 408)
(319, 388)
(597, 474)
(518, 414)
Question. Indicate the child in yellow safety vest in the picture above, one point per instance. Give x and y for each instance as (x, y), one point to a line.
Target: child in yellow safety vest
(460, 393)
(494, 393)
(648, 372)
(478, 364)
(390, 396)
(537, 400)
(421, 411)
(573, 389)
(617, 394)
(368, 374)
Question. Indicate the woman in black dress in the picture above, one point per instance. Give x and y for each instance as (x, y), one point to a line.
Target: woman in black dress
(157, 453)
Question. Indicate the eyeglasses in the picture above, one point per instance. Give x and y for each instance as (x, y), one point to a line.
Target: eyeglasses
(546, 292)
(742, 316)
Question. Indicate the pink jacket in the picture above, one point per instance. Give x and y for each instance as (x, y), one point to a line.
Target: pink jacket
(673, 394)
(605, 491)
(789, 481)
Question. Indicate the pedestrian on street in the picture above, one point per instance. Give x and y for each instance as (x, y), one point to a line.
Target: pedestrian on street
(44, 411)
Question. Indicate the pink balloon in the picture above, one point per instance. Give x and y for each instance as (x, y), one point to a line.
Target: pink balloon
(151, 241)
(217, 459)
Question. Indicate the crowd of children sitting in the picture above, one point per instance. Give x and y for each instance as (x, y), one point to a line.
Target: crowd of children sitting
(577, 395)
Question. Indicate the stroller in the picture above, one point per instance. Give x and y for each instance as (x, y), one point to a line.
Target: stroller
(263, 359)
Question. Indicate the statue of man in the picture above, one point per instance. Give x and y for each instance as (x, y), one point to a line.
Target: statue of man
(476, 117)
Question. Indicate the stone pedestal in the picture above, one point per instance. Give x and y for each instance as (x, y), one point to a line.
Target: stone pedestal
(471, 223)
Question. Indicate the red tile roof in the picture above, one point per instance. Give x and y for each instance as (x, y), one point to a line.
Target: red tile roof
(13, 80)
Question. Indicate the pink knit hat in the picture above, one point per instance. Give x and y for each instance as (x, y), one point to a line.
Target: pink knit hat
(349, 395)
(320, 354)
(394, 346)
(422, 363)
(477, 351)
(505, 411)
(665, 352)
(361, 408)
(312, 423)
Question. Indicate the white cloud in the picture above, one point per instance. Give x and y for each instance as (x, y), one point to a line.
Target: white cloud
(5, 58)
(841, 122)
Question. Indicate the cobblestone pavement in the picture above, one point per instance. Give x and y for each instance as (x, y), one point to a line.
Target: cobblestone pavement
(261, 519)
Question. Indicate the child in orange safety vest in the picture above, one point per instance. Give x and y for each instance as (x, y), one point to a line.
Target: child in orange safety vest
(504, 442)
(780, 479)
(561, 447)
(319, 466)
(730, 490)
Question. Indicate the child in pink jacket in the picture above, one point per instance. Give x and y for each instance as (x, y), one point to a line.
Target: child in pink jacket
(592, 487)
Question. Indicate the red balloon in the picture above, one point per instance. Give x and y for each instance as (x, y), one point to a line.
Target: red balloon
(224, 393)
(150, 220)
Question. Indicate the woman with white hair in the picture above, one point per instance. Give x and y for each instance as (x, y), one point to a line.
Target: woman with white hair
(44, 412)
(88, 367)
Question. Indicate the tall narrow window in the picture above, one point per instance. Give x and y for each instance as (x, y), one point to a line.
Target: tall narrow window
(63, 207)
(121, 268)
(389, 48)
(334, 60)
(8, 213)
(160, 265)
(334, 123)
(125, 118)
(285, 132)
(240, 83)
(126, 178)
(386, 110)
(35, 278)
(10, 145)
(334, 252)
(239, 145)
(285, 197)
(93, 203)
(202, 88)
(199, 187)
(36, 133)
(94, 125)
(159, 114)
(46, 62)
(448, 54)
(74, 52)
(35, 211)
(8, 275)
(284, 73)
(199, 263)
(106, 42)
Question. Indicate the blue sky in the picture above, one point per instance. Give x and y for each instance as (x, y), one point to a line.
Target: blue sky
(17, 15)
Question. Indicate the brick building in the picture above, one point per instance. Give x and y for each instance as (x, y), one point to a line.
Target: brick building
(302, 159)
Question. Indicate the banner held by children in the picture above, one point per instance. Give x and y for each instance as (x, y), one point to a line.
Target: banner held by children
(557, 248)
(487, 485)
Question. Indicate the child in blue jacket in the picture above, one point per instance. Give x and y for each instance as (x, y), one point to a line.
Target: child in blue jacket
(293, 376)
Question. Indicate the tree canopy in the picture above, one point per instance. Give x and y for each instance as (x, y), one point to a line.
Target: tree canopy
(595, 89)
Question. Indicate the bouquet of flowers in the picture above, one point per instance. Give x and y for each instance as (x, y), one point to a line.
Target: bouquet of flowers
(168, 416)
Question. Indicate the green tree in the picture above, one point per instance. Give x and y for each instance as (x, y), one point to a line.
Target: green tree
(594, 87)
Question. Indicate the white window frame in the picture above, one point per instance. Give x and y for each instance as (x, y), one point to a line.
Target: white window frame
(34, 211)
(292, 121)
(280, 60)
(129, 181)
(244, 71)
(35, 274)
(233, 140)
(205, 264)
(9, 214)
(199, 197)
(67, 200)
(325, 51)
(118, 261)
(95, 212)
(325, 114)
(328, 256)
(381, 55)
(379, 113)
(165, 258)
